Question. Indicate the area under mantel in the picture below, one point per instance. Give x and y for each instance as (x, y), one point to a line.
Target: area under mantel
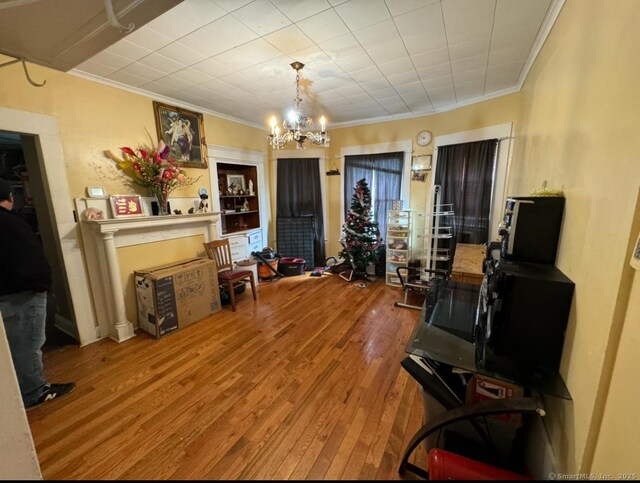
(103, 237)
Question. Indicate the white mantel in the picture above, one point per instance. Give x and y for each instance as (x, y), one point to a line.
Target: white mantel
(103, 237)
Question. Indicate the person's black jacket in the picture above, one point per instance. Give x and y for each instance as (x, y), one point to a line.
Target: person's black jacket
(23, 266)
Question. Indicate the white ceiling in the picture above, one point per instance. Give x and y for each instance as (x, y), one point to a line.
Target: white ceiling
(365, 59)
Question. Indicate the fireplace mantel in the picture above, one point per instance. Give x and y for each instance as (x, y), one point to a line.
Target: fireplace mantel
(105, 236)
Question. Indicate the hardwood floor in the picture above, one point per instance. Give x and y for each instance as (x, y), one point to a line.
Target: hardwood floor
(306, 383)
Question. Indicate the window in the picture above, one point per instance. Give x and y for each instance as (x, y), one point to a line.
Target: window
(383, 173)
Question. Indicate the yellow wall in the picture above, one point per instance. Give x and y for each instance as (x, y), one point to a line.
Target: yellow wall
(92, 118)
(578, 130)
(488, 113)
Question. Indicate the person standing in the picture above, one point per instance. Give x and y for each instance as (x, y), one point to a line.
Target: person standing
(25, 277)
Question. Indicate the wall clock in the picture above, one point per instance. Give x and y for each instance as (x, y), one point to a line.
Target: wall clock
(423, 138)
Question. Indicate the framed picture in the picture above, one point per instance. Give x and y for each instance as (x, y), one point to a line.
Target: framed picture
(421, 163)
(419, 176)
(235, 184)
(96, 192)
(183, 132)
(126, 206)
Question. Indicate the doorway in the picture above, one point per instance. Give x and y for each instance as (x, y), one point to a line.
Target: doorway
(19, 165)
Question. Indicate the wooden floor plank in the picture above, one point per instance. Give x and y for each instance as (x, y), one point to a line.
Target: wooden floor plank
(306, 383)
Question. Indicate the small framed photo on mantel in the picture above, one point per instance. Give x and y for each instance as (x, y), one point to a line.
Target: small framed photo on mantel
(126, 206)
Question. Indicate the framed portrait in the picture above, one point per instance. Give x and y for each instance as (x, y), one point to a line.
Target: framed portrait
(126, 206)
(235, 184)
(183, 131)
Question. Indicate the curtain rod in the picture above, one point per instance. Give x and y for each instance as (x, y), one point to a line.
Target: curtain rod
(497, 139)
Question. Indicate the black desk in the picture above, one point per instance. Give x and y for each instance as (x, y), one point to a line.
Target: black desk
(444, 334)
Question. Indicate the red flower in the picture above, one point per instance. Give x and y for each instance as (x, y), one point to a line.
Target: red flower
(128, 151)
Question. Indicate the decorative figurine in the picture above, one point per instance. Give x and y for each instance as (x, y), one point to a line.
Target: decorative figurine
(251, 193)
(204, 203)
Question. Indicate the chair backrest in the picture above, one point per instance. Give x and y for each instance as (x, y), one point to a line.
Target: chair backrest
(220, 251)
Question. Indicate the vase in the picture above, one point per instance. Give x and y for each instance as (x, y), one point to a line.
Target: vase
(163, 204)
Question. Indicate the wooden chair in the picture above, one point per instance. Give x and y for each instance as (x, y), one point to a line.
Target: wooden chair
(220, 251)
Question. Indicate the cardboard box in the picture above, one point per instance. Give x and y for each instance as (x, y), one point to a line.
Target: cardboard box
(482, 388)
(173, 296)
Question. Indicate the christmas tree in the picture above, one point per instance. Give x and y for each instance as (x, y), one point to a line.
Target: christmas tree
(360, 234)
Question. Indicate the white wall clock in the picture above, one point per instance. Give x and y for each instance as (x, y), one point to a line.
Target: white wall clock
(423, 138)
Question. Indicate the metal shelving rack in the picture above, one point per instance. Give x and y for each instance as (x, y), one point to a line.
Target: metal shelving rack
(398, 243)
(439, 231)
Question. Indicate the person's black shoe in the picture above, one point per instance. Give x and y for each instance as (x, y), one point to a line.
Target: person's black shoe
(53, 391)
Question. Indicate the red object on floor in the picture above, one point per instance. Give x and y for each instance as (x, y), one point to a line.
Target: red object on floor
(444, 465)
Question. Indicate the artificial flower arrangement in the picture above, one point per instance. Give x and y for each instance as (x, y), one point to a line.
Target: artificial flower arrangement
(155, 169)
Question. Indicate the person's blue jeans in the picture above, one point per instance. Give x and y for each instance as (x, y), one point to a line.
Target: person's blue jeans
(24, 315)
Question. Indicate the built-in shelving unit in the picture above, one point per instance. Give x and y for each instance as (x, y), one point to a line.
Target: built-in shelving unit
(238, 195)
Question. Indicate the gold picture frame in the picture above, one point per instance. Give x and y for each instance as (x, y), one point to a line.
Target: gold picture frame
(183, 131)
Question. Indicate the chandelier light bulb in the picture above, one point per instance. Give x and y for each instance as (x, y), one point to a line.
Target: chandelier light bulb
(323, 124)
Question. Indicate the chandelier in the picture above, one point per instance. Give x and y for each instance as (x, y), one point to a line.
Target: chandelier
(297, 126)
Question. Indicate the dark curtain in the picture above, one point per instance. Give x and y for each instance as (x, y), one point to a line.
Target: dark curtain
(465, 172)
(383, 173)
(299, 194)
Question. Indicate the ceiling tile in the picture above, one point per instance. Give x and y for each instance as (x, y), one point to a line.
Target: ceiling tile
(323, 26)
(428, 59)
(406, 78)
(471, 75)
(468, 19)
(172, 25)
(297, 10)
(477, 62)
(517, 22)
(192, 75)
(435, 71)
(198, 12)
(111, 60)
(262, 17)
(398, 7)
(469, 90)
(181, 53)
(508, 54)
(368, 74)
(142, 71)
(437, 82)
(258, 51)
(381, 41)
(161, 63)
(95, 68)
(168, 83)
(422, 30)
(357, 14)
(224, 34)
(289, 39)
(411, 88)
(212, 68)
(149, 38)
(401, 65)
(129, 78)
(129, 50)
(469, 48)
(231, 5)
